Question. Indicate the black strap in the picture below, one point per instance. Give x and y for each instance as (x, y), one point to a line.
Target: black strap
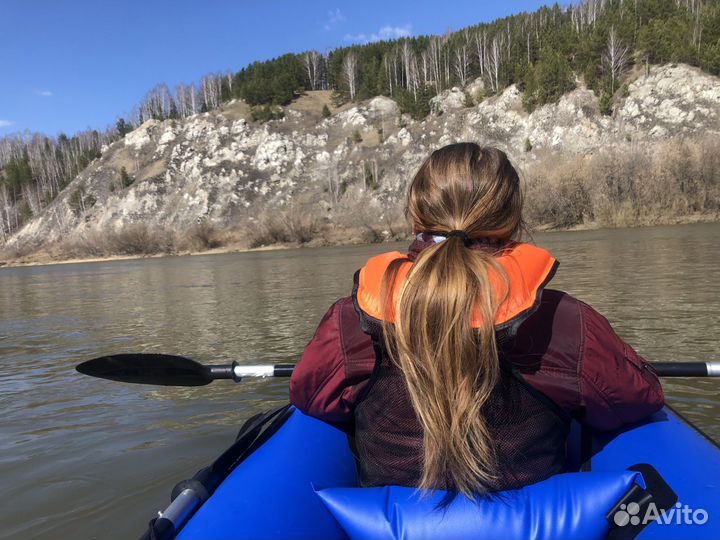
(656, 491)
(586, 448)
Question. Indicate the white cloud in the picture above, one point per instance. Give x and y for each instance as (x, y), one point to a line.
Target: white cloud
(334, 17)
(5, 123)
(44, 93)
(385, 33)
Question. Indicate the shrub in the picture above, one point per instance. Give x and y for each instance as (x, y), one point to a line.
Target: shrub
(606, 104)
(202, 236)
(131, 239)
(621, 185)
(357, 136)
(80, 202)
(140, 239)
(265, 113)
(284, 226)
(326, 112)
(125, 179)
(337, 98)
(370, 177)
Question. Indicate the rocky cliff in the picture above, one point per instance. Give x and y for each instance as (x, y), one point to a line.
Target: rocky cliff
(222, 168)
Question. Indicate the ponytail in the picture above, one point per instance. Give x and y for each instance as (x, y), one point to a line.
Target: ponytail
(449, 367)
(450, 364)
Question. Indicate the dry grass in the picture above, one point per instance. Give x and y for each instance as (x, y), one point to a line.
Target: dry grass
(132, 239)
(298, 225)
(313, 102)
(236, 111)
(151, 170)
(625, 186)
(141, 239)
(203, 236)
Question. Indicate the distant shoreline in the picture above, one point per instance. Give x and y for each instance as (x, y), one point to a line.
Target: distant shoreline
(42, 258)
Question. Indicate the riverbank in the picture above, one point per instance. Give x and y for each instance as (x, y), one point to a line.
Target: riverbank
(45, 257)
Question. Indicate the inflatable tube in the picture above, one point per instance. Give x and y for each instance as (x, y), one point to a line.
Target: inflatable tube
(272, 493)
(566, 506)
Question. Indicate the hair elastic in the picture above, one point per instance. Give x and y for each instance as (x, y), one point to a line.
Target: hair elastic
(458, 233)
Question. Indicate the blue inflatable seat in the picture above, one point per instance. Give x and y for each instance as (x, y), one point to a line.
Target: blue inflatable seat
(566, 506)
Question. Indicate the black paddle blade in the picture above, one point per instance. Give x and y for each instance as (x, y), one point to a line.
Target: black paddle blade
(159, 369)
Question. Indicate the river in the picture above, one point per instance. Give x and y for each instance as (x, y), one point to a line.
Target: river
(89, 458)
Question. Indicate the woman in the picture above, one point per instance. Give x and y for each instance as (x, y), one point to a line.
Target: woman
(454, 365)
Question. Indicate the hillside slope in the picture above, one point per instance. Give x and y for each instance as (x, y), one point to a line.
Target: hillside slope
(344, 177)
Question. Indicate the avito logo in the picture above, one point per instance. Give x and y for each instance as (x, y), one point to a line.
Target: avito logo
(679, 514)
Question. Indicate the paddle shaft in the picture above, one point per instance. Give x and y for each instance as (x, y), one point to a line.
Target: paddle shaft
(663, 369)
(237, 371)
(687, 369)
(170, 370)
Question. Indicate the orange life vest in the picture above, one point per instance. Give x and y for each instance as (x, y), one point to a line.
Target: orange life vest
(528, 429)
(528, 270)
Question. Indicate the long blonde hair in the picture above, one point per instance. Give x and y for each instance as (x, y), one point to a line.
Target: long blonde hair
(450, 367)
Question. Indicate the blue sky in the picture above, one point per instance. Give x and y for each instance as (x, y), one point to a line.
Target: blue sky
(66, 65)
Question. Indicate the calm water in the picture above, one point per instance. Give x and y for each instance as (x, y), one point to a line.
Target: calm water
(87, 458)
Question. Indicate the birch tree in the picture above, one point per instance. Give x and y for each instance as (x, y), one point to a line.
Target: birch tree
(481, 50)
(495, 62)
(434, 57)
(462, 64)
(349, 69)
(313, 67)
(615, 58)
(211, 91)
(185, 99)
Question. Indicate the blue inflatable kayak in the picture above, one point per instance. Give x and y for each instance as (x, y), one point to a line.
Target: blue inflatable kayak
(292, 476)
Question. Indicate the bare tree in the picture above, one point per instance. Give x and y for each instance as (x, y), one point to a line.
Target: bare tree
(185, 99)
(409, 67)
(481, 50)
(334, 183)
(615, 58)
(434, 57)
(313, 67)
(389, 62)
(349, 68)
(462, 64)
(495, 62)
(695, 6)
(157, 104)
(528, 46)
(211, 90)
(37, 168)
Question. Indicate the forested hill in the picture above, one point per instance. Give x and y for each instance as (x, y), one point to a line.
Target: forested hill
(596, 44)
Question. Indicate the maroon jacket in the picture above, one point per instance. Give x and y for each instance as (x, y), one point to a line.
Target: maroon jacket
(566, 350)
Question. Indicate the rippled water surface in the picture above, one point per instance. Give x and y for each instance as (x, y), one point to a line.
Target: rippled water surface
(88, 458)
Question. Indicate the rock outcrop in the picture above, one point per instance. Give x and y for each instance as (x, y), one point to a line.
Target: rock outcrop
(223, 168)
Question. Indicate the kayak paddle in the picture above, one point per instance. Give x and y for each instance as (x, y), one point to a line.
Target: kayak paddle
(169, 370)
